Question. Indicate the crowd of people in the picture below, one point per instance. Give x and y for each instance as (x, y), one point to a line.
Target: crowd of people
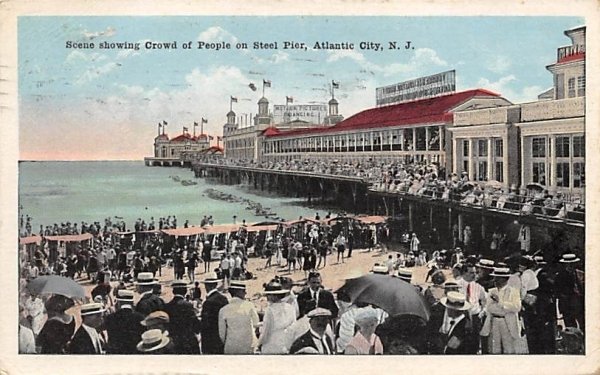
(523, 303)
(429, 180)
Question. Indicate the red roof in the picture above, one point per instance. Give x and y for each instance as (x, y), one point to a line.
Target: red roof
(573, 57)
(271, 130)
(182, 138)
(423, 111)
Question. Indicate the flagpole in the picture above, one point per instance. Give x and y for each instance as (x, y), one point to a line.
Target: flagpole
(202, 126)
(194, 125)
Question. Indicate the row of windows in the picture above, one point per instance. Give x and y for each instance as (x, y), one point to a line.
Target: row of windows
(562, 176)
(580, 86)
(563, 146)
(482, 148)
(481, 173)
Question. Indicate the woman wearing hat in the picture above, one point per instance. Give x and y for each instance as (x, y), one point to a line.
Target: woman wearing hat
(59, 327)
(278, 317)
(365, 341)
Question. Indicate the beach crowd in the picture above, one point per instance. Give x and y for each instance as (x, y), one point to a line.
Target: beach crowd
(513, 302)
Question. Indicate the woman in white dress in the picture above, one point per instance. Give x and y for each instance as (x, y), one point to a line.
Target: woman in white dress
(278, 317)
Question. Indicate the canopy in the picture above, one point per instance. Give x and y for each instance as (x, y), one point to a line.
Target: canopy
(29, 240)
(70, 237)
(184, 232)
(371, 219)
(222, 228)
(258, 228)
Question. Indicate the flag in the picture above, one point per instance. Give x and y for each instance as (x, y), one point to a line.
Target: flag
(219, 138)
(266, 83)
(252, 86)
(289, 99)
(195, 123)
(233, 99)
(205, 121)
(210, 137)
(159, 125)
(164, 122)
(335, 85)
(185, 129)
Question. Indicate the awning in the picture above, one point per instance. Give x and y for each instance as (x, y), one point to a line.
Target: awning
(184, 232)
(258, 228)
(29, 240)
(70, 237)
(222, 228)
(371, 219)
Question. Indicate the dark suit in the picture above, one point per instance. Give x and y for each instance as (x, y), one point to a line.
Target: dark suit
(81, 343)
(149, 303)
(306, 341)
(124, 330)
(209, 323)
(183, 325)
(325, 299)
(463, 336)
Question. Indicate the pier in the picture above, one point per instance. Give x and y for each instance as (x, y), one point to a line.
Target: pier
(163, 162)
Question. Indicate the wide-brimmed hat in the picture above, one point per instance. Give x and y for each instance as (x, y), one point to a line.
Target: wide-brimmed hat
(145, 278)
(539, 260)
(276, 288)
(155, 317)
(451, 284)
(237, 285)
(319, 311)
(179, 284)
(380, 270)
(455, 301)
(366, 314)
(485, 263)
(152, 340)
(569, 258)
(92, 308)
(125, 295)
(405, 274)
(501, 272)
(210, 280)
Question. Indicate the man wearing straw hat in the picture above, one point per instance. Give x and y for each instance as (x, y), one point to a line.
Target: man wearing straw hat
(456, 334)
(154, 341)
(209, 319)
(149, 301)
(123, 326)
(183, 324)
(238, 321)
(502, 322)
(569, 291)
(87, 340)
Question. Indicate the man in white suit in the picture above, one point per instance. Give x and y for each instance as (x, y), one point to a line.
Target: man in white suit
(502, 321)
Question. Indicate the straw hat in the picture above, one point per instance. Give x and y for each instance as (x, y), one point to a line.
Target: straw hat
(145, 278)
(125, 295)
(455, 301)
(319, 311)
(92, 308)
(153, 340)
(569, 258)
(486, 263)
(405, 274)
(237, 285)
(275, 288)
(179, 284)
(501, 272)
(380, 270)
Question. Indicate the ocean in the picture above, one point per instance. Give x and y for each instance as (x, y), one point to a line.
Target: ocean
(56, 192)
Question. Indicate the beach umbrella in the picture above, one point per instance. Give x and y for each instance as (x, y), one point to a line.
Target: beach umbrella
(494, 184)
(535, 186)
(54, 284)
(393, 295)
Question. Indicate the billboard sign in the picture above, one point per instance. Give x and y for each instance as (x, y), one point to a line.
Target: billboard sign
(313, 113)
(420, 88)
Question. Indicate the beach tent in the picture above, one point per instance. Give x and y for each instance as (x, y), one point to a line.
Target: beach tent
(30, 240)
(371, 219)
(184, 232)
(70, 237)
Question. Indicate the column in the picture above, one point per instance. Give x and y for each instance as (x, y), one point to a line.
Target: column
(490, 160)
(461, 224)
(505, 160)
(414, 140)
(410, 216)
(455, 155)
(355, 141)
(442, 137)
(551, 172)
(470, 158)
(401, 134)
(427, 138)
(525, 163)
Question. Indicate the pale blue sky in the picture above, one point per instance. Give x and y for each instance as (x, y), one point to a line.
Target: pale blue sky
(98, 103)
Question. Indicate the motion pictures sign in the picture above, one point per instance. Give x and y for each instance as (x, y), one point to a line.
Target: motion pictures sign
(313, 113)
(420, 88)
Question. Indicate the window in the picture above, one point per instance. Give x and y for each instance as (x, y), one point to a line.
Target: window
(499, 175)
(571, 86)
(578, 175)
(578, 146)
(562, 174)
(539, 173)
(562, 147)
(465, 148)
(482, 147)
(421, 140)
(538, 147)
(466, 166)
(482, 171)
(498, 148)
(581, 86)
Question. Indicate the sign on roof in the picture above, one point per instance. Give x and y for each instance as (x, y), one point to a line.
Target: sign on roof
(420, 88)
(313, 113)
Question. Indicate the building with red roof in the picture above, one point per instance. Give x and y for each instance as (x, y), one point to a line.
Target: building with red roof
(172, 148)
(412, 132)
